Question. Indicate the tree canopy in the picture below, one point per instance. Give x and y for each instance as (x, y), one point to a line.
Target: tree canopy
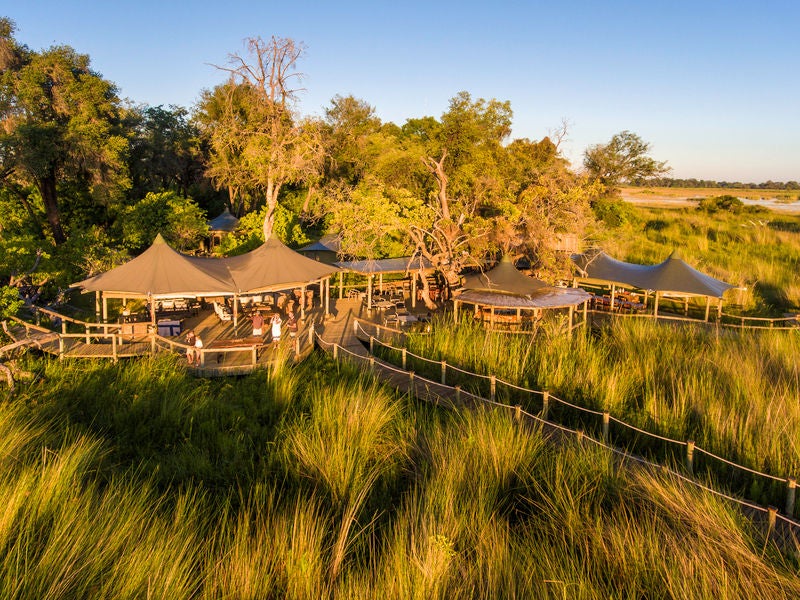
(86, 180)
(623, 159)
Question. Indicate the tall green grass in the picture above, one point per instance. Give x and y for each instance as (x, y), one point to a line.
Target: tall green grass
(327, 485)
(737, 395)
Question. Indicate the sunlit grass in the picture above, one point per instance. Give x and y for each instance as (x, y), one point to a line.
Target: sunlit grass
(323, 484)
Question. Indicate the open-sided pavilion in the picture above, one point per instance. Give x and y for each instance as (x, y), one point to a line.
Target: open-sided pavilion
(506, 289)
(406, 265)
(672, 278)
(161, 272)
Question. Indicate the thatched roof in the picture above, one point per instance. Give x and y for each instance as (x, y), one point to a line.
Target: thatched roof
(672, 275)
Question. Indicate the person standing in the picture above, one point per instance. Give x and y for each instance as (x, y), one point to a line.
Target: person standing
(276, 323)
(190, 340)
(258, 324)
(291, 325)
(198, 347)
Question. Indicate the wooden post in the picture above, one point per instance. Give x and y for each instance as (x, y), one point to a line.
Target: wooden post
(341, 285)
(571, 313)
(369, 291)
(492, 387)
(613, 295)
(411, 382)
(371, 345)
(303, 302)
(414, 290)
(371, 363)
(114, 348)
(97, 305)
(444, 372)
(655, 307)
(579, 434)
(791, 487)
(60, 348)
(105, 309)
(336, 352)
(545, 404)
(297, 346)
(690, 456)
(708, 308)
(355, 326)
(235, 312)
(773, 513)
(455, 311)
(327, 295)
(606, 421)
(458, 394)
(518, 413)
(254, 356)
(311, 335)
(405, 358)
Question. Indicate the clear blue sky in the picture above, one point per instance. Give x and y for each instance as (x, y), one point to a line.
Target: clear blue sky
(713, 85)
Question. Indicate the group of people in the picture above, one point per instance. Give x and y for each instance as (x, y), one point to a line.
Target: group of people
(276, 323)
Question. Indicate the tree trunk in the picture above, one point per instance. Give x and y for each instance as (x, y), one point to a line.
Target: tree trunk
(272, 205)
(4, 370)
(47, 187)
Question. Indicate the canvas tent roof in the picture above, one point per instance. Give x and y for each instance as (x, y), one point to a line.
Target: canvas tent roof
(223, 222)
(330, 242)
(383, 265)
(506, 287)
(161, 271)
(672, 275)
(274, 265)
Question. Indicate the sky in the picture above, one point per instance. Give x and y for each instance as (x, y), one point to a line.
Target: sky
(711, 85)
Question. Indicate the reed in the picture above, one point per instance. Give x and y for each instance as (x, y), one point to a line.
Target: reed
(352, 492)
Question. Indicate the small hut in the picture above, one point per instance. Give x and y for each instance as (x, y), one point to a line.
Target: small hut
(220, 226)
(325, 249)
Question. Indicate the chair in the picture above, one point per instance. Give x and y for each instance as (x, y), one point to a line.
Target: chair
(222, 312)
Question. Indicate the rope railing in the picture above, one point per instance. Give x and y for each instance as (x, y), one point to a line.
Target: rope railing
(741, 321)
(688, 448)
(771, 512)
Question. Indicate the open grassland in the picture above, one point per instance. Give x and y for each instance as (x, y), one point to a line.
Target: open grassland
(755, 250)
(137, 481)
(737, 396)
(655, 192)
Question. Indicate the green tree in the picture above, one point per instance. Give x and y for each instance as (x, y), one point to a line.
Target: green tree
(257, 142)
(182, 223)
(623, 159)
(165, 151)
(60, 125)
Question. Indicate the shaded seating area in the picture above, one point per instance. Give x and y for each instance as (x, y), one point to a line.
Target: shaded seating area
(374, 296)
(506, 298)
(673, 280)
(174, 286)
